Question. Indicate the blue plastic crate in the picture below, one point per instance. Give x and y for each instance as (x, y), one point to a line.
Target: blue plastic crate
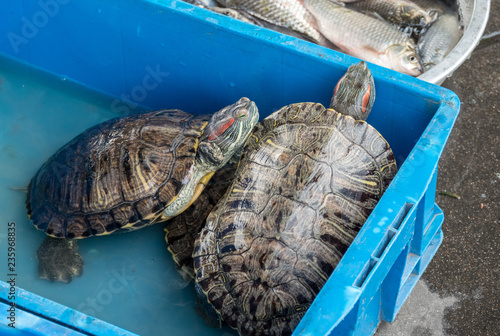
(169, 54)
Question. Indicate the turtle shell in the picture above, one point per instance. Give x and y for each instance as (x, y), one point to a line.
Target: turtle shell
(118, 175)
(308, 179)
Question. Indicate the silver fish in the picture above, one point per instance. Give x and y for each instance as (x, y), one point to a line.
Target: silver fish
(289, 14)
(238, 11)
(365, 37)
(399, 12)
(439, 39)
(235, 14)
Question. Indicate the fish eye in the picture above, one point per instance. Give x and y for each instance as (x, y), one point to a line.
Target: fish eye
(412, 59)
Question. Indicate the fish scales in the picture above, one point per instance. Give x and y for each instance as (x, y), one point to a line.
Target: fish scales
(364, 36)
(351, 26)
(285, 13)
(400, 12)
(439, 39)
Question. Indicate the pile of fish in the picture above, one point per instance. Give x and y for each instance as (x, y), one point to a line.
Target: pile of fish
(409, 36)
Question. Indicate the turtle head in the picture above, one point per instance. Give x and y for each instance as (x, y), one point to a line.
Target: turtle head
(226, 132)
(355, 92)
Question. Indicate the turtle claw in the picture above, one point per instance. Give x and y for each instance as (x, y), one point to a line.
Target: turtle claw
(58, 260)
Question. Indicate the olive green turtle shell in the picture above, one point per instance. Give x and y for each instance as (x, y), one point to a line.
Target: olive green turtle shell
(307, 180)
(116, 176)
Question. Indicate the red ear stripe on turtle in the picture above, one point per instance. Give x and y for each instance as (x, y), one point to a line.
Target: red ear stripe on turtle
(336, 88)
(366, 99)
(221, 129)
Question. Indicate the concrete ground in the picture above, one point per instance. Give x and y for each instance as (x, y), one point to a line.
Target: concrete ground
(459, 293)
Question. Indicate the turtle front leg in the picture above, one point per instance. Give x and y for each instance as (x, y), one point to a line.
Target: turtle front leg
(58, 259)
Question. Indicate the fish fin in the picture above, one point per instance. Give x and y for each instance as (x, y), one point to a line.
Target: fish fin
(374, 15)
(340, 2)
(236, 14)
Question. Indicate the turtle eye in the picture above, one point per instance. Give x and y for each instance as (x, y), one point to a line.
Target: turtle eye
(243, 114)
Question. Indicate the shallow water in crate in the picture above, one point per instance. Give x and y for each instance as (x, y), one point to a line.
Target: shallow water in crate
(129, 279)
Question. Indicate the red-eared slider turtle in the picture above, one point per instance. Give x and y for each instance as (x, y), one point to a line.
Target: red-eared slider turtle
(307, 180)
(127, 173)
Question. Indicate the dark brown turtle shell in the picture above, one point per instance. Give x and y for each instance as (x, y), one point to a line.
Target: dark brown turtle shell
(307, 181)
(118, 175)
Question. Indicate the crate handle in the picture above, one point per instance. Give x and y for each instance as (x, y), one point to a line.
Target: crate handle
(381, 248)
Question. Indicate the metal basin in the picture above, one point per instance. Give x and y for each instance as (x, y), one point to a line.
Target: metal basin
(474, 15)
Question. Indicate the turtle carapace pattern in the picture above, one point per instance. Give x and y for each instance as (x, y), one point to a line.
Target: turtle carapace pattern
(308, 179)
(133, 171)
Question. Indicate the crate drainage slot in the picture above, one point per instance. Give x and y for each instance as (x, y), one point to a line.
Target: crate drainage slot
(384, 242)
(360, 280)
(405, 209)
